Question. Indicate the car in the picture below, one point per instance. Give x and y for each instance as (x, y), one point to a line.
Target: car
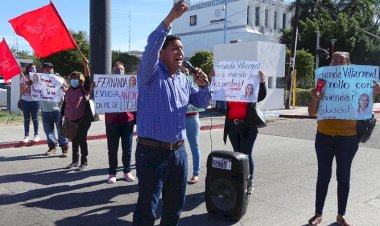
(3, 93)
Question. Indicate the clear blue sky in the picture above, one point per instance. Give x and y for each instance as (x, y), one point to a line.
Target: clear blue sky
(145, 16)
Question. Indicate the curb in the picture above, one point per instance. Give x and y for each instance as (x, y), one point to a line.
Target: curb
(298, 116)
(19, 144)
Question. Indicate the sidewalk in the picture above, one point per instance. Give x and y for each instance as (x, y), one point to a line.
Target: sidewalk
(11, 136)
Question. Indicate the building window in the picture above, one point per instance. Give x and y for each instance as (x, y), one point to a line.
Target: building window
(193, 20)
(266, 18)
(257, 16)
(280, 83)
(270, 82)
(275, 21)
(284, 21)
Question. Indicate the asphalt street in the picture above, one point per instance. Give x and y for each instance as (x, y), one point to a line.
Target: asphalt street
(38, 190)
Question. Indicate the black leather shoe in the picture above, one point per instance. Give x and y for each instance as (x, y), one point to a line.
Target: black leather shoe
(82, 167)
(73, 164)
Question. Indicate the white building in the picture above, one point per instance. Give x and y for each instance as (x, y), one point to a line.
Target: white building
(202, 26)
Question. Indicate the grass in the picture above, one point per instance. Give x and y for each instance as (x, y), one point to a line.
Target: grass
(7, 118)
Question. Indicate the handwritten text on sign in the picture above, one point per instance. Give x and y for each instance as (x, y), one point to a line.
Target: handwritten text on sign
(236, 81)
(115, 93)
(46, 87)
(348, 93)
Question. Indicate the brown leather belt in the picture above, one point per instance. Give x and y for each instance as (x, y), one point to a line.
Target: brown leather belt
(160, 144)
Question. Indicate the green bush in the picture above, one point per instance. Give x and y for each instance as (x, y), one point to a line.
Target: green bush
(303, 97)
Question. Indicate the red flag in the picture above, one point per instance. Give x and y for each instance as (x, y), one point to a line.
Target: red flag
(8, 65)
(45, 31)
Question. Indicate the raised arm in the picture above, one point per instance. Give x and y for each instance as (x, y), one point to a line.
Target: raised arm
(150, 59)
(87, 75)
(314, 104)
(177, 11)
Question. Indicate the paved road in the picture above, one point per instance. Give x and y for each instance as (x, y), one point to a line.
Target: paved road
(37, 190)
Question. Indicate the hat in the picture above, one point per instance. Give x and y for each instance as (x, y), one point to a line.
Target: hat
(47, 64)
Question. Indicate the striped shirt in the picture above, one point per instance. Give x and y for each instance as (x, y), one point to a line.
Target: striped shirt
(162, 101)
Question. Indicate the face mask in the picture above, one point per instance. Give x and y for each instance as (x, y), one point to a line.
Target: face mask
(33, 70)
(74, 83)
(119, 71)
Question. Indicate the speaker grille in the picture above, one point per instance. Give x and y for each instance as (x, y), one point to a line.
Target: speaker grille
(223, 194)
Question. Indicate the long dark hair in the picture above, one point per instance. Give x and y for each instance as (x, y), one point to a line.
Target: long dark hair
(28, 68)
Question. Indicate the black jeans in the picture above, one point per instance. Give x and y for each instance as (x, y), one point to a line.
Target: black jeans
(343, 148)
(243, 137)
(81, 141)
(115, 132)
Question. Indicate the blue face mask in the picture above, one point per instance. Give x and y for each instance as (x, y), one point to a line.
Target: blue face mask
(33, 70)
(74, 83)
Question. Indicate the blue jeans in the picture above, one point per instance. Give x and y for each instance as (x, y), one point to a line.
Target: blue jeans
(343, 148)
(49, 119)
(160, 170)
(192, 131)
(243, 137)
(114, 133)
(30, 108)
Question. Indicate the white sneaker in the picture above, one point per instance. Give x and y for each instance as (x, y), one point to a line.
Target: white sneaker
(111, 179)
(26, 139)
(36, 138)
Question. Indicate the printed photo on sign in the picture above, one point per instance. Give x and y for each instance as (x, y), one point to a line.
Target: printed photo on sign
(236, 81)
(46, 87)
(115, 93)
(348, 92)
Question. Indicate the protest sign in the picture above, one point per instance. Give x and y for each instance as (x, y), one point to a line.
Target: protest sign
(46, 87)
(348, 92)
(115, 93)
(236, 81)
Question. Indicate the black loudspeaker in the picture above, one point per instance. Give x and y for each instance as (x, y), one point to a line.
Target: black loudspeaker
(226, 184)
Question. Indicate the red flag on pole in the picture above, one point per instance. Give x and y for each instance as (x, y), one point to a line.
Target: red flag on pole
(8, 65)
(45, 31)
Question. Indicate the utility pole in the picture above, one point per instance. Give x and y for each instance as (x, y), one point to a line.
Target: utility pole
(129, 31)
(316, 54)
(333, 45)
(225, 20)
(288, 80)
(100, 38)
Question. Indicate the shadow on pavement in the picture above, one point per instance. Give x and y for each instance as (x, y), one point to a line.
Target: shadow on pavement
(27, 157)
(107, 215)
(53, 176)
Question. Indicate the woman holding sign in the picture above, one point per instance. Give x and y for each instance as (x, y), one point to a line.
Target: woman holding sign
(119, 126)
(29, 106)
(74, 109)
(335, 138)
(241, 128)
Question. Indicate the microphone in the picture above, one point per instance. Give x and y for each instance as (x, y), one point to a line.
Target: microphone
(191, 68)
